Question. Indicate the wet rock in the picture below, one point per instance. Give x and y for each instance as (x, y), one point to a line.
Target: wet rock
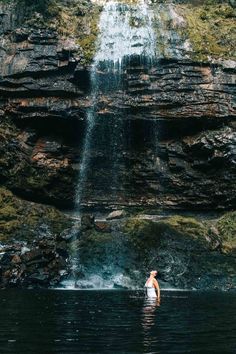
(87, 222)
(38, 267)
(16, 259)
(21, 34)
(102, 226)
(39, 279)
(32, 255)
(62, 249)
(186, 251)
(25, 220)
(69, 234)
(24, 249)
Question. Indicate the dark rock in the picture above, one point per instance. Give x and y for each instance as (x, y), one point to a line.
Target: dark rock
(42, 266)
(183, 249)
(20, 35)
(6, 259)
(32, 255)
(16, 259)
(102, 226)
(69, 234)
(87, 222)
(39, 279)
(62, 249)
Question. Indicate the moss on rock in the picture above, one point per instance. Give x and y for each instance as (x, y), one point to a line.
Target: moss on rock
(22, 220)
(188, 226)
(227, 232)
(211, 30)
(150, 231)
(79, 20)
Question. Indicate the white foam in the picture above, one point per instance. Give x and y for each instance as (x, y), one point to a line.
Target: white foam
(125, 30)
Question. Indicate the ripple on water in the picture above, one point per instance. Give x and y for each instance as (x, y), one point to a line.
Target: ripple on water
(116, 322)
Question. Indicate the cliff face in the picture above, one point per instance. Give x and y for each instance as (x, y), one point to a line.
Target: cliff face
(178, 122)
(164, 138)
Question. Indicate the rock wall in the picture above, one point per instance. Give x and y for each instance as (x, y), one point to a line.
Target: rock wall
(169, 137)
(189, 253)
(178, 124)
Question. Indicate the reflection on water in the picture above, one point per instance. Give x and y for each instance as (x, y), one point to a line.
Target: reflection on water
(149, 308)
(148, 320)
(116, 322)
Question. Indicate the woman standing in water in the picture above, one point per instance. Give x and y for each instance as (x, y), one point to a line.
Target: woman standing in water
(152, 286)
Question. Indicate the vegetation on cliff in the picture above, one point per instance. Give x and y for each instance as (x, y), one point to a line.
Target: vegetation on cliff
(210, 28)
(23, 220)
(209, 25)
(211, 234)
(226, 227)
(71, 19)
(148, 234)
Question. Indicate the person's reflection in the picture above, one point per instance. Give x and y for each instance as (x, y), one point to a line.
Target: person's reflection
(148, 321)
(150, 305)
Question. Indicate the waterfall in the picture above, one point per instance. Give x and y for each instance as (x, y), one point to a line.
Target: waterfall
(124, 31)
(127, 37)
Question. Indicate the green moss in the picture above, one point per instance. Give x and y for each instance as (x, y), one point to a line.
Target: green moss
(21, 220)
(227, 232)
(211, 30)
(188, 226)
(146, 234)
(94, 247)
(77, 20)
(143, 234)
(95, 237)
(88, 41)
(80, 21)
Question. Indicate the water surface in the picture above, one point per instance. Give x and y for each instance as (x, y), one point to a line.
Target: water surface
(112, 321)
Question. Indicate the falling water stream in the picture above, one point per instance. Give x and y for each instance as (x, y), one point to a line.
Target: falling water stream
(126, 33)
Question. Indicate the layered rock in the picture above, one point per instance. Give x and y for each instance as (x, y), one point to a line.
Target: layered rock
(33, 249)
(164, 137)
(178, 131)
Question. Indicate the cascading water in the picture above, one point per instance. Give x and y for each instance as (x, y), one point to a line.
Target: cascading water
(126, 37)
(125, 31)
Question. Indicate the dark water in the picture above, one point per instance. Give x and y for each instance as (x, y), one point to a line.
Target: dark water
(113, 322)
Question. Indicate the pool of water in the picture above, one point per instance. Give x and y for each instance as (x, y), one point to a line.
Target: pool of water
(113, 321)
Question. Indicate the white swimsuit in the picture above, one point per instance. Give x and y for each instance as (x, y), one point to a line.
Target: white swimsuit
(151, 292)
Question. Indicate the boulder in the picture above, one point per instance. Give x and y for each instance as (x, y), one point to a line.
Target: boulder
(116, 214)
(87, 222)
